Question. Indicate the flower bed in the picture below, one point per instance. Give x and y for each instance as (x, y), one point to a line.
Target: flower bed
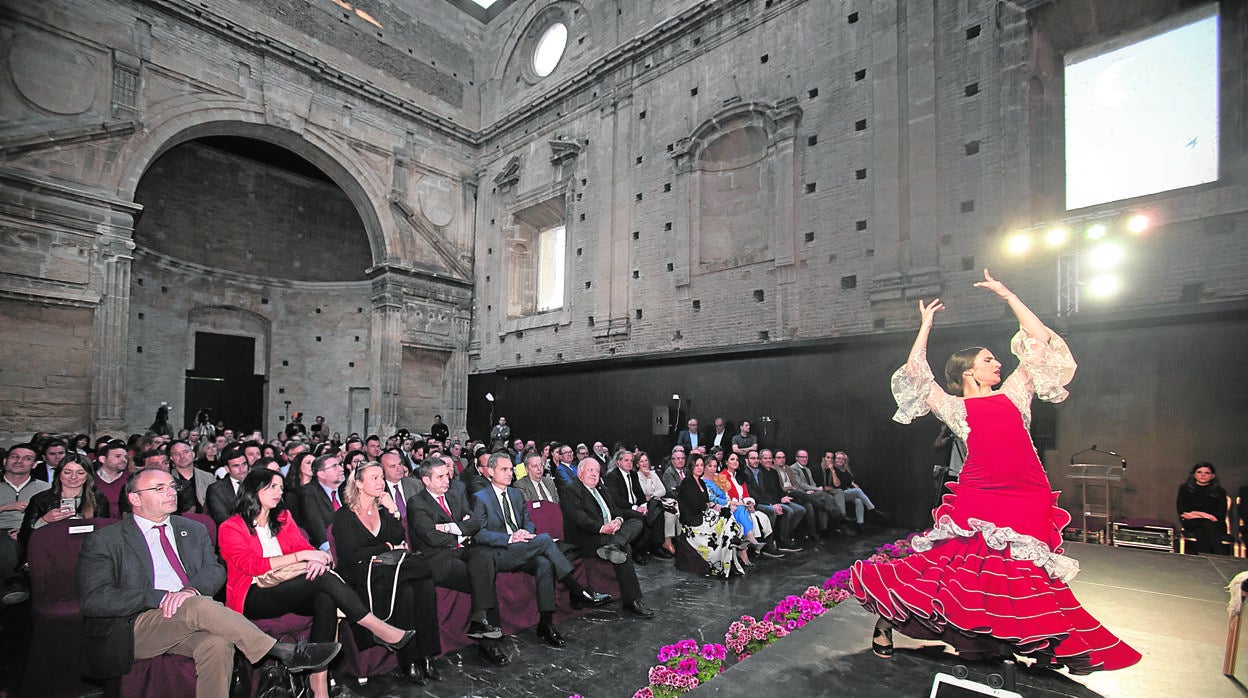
(685, 665)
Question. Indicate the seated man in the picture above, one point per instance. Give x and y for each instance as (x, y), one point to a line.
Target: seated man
(831, 504)
(623, 488)
(778, 482)
(507, 530)
(221, 494)
(112, 473)
(145, 585)
(590, 524)
(440, 525)
(400, 483)
(535, 484)
(14, 497)
(319, 499)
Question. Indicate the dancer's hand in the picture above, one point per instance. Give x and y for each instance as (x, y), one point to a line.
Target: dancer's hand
(993, 285)
(928, 310)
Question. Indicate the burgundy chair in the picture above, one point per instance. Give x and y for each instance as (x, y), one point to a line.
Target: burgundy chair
(354, 660)
(56, 640)
(208, 523)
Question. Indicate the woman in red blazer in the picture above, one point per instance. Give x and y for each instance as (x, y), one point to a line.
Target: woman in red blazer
(261, 536)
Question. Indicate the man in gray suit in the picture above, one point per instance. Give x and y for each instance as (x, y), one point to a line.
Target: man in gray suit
(535, 484)
(145, 585)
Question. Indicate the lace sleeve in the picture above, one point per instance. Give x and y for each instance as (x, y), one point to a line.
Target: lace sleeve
(915, 390)
(1044, 368)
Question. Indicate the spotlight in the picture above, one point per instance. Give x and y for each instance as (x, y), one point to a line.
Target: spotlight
(1018, 243)
(1138, 223)
(1056, 236)
(1106, 255)
(1096, 231)
(1104, 286)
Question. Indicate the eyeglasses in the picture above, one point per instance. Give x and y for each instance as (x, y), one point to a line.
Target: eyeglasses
(163, 488)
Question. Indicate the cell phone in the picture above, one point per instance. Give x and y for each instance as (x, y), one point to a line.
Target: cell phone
(67, 503)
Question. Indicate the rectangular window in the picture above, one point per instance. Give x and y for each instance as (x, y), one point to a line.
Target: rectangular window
(551, 244)
(1142, 112)
(536, 244)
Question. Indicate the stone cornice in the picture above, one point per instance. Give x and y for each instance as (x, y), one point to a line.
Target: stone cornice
(274, 48)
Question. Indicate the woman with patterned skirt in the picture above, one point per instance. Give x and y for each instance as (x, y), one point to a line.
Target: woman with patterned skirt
(990, 577)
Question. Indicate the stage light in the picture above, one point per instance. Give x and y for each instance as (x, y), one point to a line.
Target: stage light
(1018, 243)
(1106, 255)
(1056, 236)
(1096, 231)
(1138, 223)
(1104, 286)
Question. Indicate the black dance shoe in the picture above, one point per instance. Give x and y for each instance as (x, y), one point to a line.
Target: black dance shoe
(492, 654)
(884, 651)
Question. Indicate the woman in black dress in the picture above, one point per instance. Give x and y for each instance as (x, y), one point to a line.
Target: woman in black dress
(368, 526)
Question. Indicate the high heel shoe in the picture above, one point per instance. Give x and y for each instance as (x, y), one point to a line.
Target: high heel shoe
(882, 651)
(396, 646)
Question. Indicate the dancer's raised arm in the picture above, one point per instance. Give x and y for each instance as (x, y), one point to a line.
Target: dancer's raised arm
(1026, 319)
(926, 312)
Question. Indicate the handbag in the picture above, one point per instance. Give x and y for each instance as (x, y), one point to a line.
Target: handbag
(276, 681)
(393, 558)
(278, 575)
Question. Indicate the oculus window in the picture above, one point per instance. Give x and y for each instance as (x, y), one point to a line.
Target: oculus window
(549, 49)
(1142, 112)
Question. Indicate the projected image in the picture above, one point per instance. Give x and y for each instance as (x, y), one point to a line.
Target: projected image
(1143, 118)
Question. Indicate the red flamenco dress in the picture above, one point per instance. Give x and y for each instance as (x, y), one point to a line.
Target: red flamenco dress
(990, 576)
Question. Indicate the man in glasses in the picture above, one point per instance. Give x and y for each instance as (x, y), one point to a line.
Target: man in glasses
(145, 585)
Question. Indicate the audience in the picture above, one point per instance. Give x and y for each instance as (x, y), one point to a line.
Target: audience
(465, 519)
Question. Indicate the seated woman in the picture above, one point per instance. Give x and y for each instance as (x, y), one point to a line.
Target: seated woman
(708, 526)
(1201, 503)
(299, 474)
(260, 541)
(73, 496)
(654, 489)
(740, 514)
(739, 496)
(206, 456)
(840, 476)
(367, 526)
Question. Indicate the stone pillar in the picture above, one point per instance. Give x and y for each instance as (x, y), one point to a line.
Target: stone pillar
(455, 380)
(110, 334)
(385, 373)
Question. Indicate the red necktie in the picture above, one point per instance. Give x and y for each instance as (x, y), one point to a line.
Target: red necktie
(172, 556)
(333, 498)
(442, 502)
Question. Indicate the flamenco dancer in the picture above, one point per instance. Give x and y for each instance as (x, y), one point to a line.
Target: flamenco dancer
(990, 578)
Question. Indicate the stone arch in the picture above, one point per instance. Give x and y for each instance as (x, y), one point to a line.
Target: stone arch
(364, 187)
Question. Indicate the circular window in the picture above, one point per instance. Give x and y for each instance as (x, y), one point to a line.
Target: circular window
(550, 49)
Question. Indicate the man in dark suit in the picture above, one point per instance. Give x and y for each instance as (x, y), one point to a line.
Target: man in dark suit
(473, 478)
(623, 488)
(145, 586)
(399, 482)
(509, 533)
(564, 471)
(440, 525)
(590, 524)
(319, 499)
(788, 513)
(220, 495)
(689, 437)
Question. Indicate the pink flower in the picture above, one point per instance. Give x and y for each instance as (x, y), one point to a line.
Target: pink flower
(687, 666)
(644, 693)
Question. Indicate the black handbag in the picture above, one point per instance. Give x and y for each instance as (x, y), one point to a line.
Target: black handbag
(389, 565)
